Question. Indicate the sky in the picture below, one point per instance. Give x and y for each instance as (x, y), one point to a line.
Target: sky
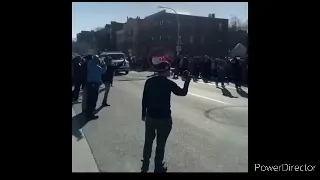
(91, 15)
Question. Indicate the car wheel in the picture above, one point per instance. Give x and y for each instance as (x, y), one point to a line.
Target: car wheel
(126, 72)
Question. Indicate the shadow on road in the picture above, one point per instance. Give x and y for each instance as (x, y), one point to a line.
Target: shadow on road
(242, 93)
(226, 92)
(101, 90)
(99, 109)
(78, 121)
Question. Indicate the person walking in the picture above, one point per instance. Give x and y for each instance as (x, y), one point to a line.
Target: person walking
(94, 72)
(156, 113)
(107, 77)
(236, 71)
(220, 73)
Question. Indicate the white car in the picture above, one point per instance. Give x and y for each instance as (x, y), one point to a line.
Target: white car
(118, 57)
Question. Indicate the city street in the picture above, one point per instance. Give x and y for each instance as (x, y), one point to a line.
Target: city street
(209, 133)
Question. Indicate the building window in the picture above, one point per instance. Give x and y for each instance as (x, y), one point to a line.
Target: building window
(169, 37)
(160, 38)
(161, 23)
(191, 39)
(152, 38)
(220, 41)
(220, 26)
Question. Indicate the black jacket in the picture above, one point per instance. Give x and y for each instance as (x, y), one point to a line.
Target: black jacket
(157, 96)
(79, 71)
(108, 75)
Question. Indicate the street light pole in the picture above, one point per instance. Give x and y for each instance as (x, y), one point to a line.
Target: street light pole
(178, 24)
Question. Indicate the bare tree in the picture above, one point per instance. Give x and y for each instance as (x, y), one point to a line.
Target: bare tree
(245, 26)
(235, 23)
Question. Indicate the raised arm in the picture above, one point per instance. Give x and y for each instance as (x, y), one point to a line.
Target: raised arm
(180, 91)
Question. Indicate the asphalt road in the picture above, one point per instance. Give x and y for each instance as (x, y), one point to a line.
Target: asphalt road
(209, 133)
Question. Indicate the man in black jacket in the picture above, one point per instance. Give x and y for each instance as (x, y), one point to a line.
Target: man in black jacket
(78, 77)
(156, 113)
(107, 77)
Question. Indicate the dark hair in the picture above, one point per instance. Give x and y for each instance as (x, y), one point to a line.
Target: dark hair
(87, 57)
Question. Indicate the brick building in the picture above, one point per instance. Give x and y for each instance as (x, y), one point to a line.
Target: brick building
(199, 35)
(85, 37)
(129, 37)
(114, 27)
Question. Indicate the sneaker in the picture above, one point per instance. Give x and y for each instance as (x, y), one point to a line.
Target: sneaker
(76, 101)
(145, 166)
(105, 104)
(160, 169)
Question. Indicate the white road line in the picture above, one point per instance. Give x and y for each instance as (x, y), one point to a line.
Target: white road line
(214, 85)
(215, 100)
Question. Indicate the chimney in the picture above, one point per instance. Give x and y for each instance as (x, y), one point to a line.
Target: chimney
(213, 15)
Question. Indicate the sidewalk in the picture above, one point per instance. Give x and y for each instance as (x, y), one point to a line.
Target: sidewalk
(82, 158)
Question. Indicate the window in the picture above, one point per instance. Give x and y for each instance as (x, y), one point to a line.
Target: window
(152, 38)
(161, 23)
(220, 41)
(220, 26)
(160, 38)
(169, 37)
(191, 39)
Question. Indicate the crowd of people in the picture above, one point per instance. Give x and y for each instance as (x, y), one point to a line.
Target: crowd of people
(88, 73)
(221, 70)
